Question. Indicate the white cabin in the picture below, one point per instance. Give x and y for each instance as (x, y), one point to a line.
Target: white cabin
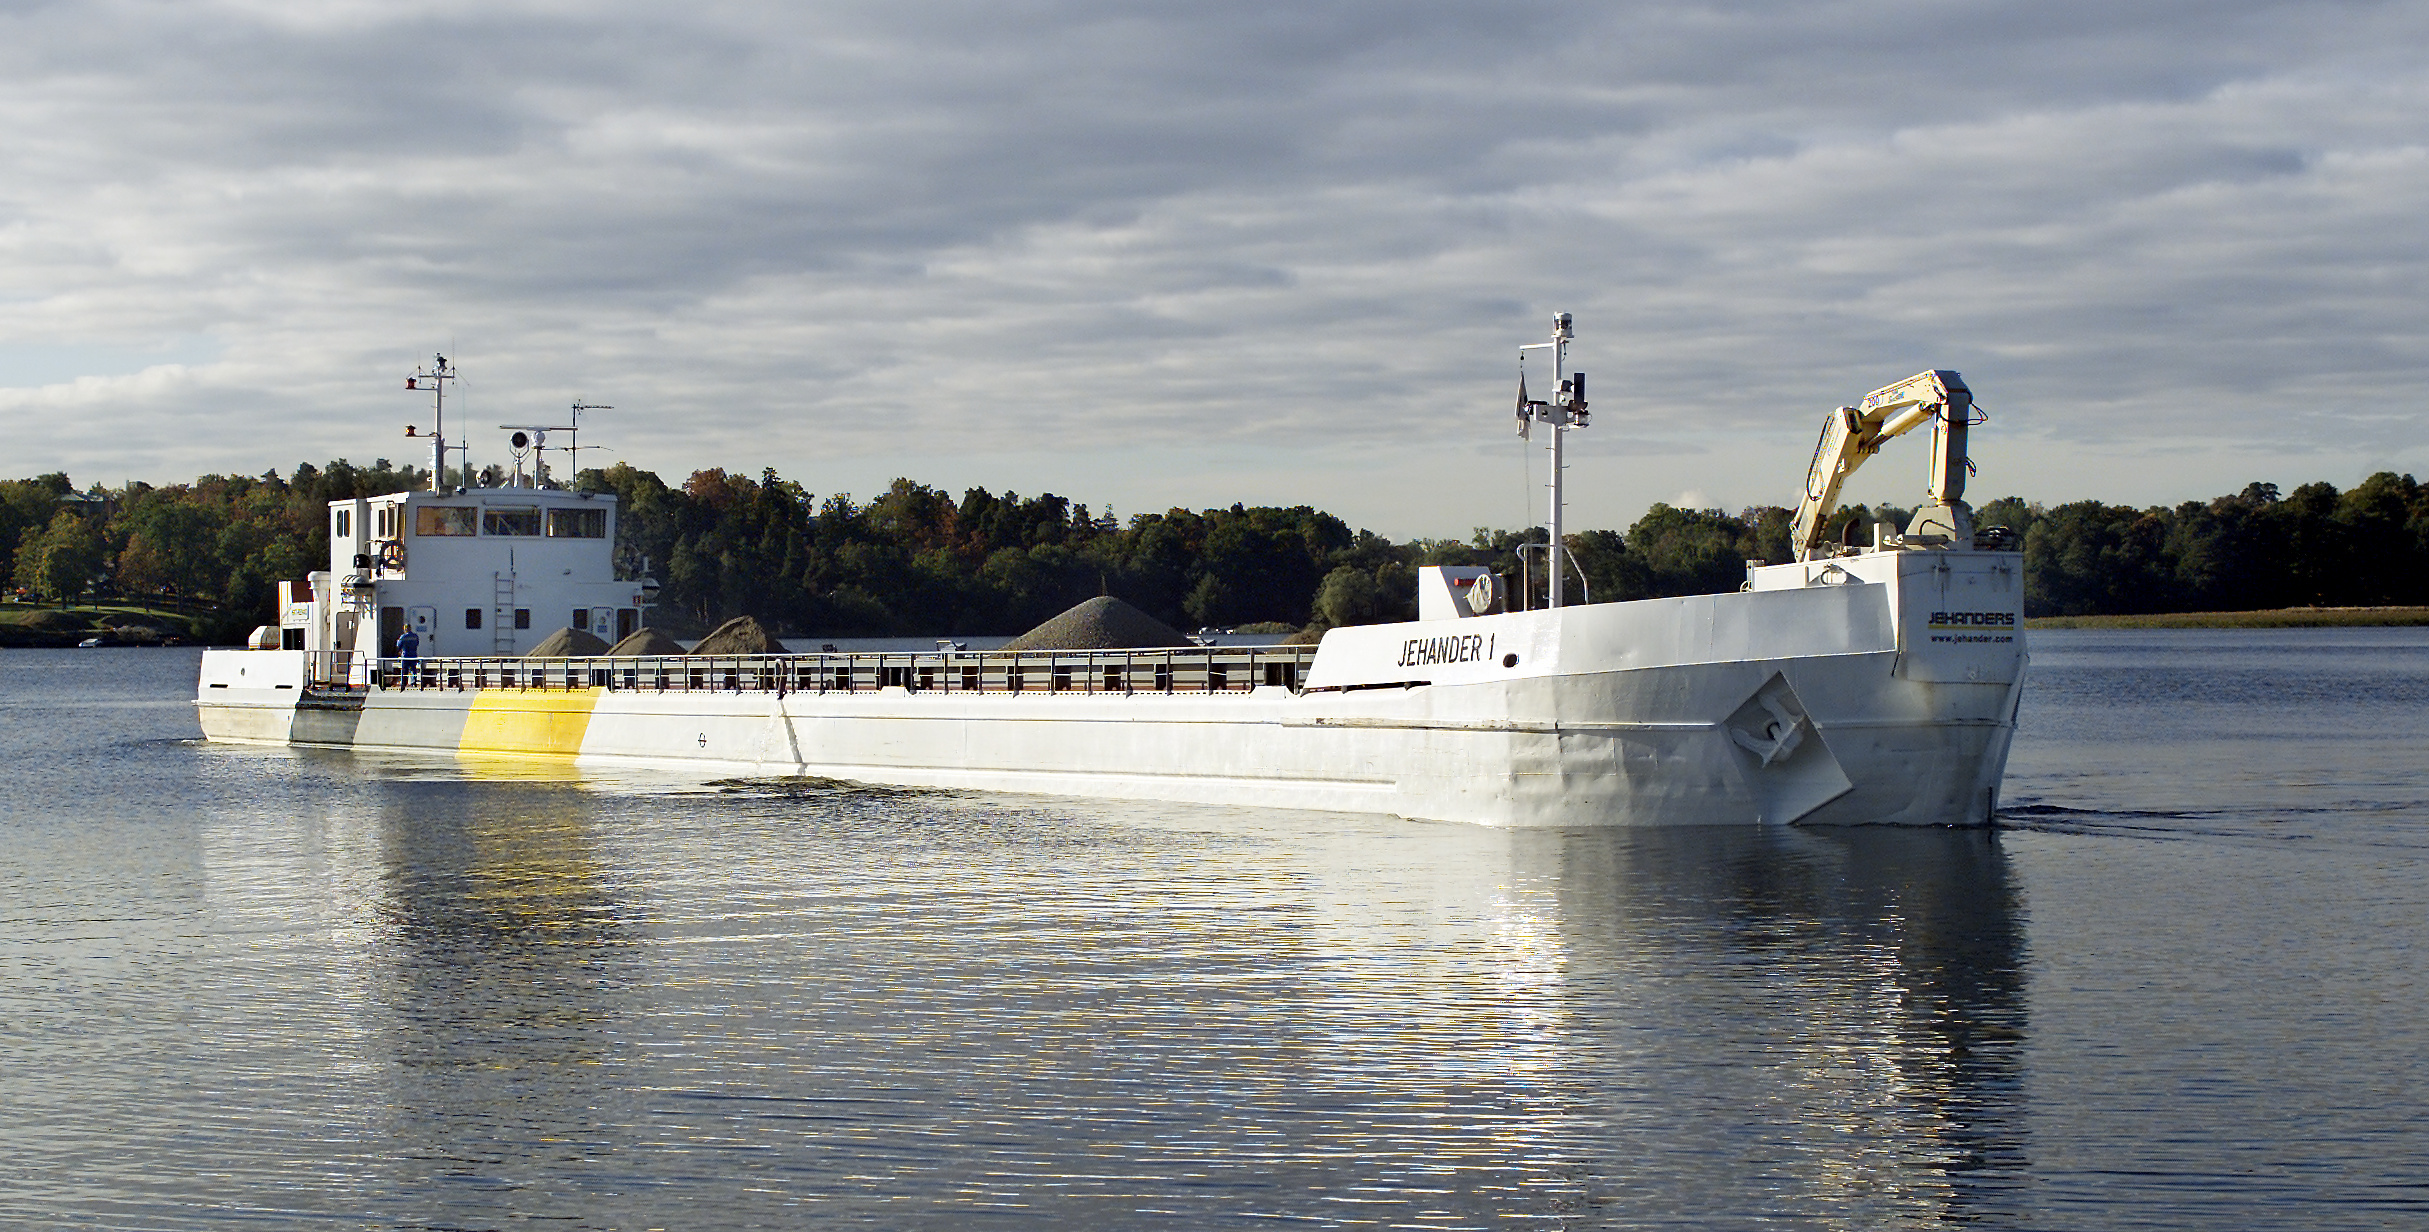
(481, 571)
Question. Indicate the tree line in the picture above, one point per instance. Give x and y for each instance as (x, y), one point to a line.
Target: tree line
(917, 561)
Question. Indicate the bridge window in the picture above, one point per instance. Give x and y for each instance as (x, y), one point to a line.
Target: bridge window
(445, 520)
(577, 524)
(516, 520)
(472, 618)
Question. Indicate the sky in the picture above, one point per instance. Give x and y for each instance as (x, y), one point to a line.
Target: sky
(1279, 253)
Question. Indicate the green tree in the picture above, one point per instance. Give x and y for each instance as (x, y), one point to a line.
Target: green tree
(2228, 553)
(170, 545)
(2317, 556)
(27, 506)
(2383, 557)
(1613, 573)
(1262, 564)
(2088, 558)
(1350, 595)
(1769, 530)
(2011, 512)
(1689, 551)
(63, 560)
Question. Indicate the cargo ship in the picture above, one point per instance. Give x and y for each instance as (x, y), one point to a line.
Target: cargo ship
(1873, 680)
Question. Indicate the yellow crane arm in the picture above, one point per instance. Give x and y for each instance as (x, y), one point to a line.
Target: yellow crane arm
(1853, 433)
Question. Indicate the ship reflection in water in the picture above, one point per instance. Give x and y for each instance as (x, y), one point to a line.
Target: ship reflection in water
(797, 1001)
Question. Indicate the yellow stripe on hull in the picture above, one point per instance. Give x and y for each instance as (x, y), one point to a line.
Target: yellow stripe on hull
(528, 723)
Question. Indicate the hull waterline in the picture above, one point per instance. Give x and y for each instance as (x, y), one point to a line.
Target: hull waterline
(1662, 712)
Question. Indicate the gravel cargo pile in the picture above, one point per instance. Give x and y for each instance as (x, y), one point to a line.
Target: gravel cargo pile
(740, 636)
(568, 644)
(1102, 623)
(644, 642)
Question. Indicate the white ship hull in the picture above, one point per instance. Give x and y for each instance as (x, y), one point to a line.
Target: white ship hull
(1880, 689)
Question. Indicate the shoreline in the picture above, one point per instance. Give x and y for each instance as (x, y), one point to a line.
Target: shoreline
(31, 626)
(15, 630)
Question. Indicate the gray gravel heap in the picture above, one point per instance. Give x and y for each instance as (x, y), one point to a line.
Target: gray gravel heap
(568, 644)
(740, 636)
(644, 642)
(1102, 623)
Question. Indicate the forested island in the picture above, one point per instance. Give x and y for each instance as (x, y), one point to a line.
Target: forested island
(917, 561)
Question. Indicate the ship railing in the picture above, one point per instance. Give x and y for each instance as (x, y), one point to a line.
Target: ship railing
(337, 671)
(1212, 669)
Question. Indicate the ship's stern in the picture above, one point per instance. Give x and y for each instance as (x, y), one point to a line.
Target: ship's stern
(249, 696)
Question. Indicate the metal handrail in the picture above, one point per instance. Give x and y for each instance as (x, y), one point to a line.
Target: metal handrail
(1526, 577)
(1197, 669)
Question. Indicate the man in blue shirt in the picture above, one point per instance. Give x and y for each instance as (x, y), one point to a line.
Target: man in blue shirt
(410, 645)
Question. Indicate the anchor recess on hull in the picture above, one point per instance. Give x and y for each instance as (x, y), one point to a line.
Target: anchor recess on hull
(1791, 769)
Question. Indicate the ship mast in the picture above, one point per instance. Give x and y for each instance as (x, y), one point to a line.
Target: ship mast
(434, 378)
(1566, 410)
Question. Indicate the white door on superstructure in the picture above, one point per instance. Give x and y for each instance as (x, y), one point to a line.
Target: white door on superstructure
(603, 622)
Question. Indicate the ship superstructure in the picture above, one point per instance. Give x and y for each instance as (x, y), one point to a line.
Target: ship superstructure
(469, 571)
(475, 572)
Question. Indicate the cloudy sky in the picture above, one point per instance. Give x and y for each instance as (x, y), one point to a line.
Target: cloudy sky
(1271, 252)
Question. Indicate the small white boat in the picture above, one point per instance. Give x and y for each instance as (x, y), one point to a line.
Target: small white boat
(1872, 683)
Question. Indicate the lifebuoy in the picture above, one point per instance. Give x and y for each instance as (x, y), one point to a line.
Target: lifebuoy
(392, 555)
(1480, 594)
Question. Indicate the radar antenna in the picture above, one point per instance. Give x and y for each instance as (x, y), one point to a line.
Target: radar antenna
(533, 439)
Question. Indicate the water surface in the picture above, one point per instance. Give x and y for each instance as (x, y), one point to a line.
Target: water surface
(290, 988)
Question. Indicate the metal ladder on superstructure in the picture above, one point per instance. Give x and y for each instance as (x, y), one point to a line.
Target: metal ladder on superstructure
(501, 614)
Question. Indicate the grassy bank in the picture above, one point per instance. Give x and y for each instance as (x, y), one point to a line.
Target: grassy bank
(117, 624)
(2280, 618)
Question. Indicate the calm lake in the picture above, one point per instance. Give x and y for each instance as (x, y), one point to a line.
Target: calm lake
(2182, 987)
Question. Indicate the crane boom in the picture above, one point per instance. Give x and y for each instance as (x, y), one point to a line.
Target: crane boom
(1852, 434)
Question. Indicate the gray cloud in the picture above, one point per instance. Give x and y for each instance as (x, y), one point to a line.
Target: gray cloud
(1258, 251)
